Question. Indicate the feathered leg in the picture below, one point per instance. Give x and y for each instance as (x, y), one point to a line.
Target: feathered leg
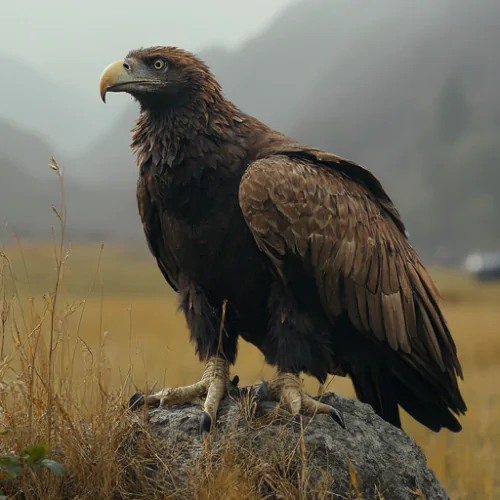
(288, 390)
(298, 342)
(208, 391)
(216, 344)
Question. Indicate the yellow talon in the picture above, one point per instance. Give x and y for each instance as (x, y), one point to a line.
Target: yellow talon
(213, 385)
(288, 390)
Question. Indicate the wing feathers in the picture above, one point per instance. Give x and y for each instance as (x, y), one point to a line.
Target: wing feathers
(363, 263)
(375, 315)
(428, 335)
(351, 304)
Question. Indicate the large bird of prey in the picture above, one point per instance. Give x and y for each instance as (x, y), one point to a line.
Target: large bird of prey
(296, 250)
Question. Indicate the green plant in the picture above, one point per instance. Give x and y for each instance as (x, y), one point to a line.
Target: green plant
(30, 459)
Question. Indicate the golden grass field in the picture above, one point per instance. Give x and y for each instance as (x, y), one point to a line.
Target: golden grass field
(115, 327)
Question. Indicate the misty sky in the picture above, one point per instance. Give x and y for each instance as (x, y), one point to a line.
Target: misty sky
(72, 40)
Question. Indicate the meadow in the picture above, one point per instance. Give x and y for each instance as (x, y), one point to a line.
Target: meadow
(83, 326)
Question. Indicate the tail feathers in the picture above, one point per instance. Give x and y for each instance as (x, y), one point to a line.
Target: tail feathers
(384, 390)
(373, 385)
(434, 413)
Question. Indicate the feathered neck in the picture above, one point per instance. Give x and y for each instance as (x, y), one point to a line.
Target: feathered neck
(165, 132)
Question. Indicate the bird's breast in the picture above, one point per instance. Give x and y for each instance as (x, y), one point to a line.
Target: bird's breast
(204, 229)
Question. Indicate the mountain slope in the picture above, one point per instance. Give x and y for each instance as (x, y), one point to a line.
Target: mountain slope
(53, 110)
(409, 90)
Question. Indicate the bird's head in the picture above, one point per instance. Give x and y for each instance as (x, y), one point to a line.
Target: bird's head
(158, 75)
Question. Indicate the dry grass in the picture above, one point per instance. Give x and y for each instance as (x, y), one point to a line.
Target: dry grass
(82, 327)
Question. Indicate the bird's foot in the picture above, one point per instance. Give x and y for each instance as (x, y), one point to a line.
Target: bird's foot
(288, 390)
(208, 392)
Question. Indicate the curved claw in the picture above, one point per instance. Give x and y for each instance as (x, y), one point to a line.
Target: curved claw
(337, 416)
(287, 387)
(205, 423)
(136, 400)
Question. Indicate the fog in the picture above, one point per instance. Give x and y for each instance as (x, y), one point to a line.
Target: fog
(68, 43)
(410, 90)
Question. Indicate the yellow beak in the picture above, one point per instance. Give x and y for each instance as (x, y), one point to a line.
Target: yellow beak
(115, 74)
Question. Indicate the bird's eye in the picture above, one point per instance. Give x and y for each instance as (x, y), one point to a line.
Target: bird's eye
(159, 64)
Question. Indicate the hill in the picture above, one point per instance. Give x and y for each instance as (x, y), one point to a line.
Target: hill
(29, 188)
(50, 109)
(411, 91)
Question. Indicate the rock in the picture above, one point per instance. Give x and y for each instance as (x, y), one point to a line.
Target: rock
(274, 455)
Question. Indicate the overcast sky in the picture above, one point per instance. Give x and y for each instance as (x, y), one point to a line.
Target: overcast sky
(81, 37)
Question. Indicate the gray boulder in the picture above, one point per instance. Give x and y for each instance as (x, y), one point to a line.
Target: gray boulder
(259, 451)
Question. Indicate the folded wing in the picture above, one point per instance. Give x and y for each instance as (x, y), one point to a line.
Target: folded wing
(354, 243)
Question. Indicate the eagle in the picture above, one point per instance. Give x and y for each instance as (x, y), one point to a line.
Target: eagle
(296, 250)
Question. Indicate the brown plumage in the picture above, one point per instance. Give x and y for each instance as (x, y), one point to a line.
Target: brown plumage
(305, 247)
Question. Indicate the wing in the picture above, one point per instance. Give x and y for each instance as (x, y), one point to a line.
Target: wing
(153, 229)
(279, 144)
(358, 252)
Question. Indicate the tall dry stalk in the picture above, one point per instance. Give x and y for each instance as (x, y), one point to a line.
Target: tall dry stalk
(59, 258)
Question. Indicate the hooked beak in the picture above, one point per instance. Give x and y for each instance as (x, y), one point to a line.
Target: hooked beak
(119, 77)
(112, 77)
(127, 75)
